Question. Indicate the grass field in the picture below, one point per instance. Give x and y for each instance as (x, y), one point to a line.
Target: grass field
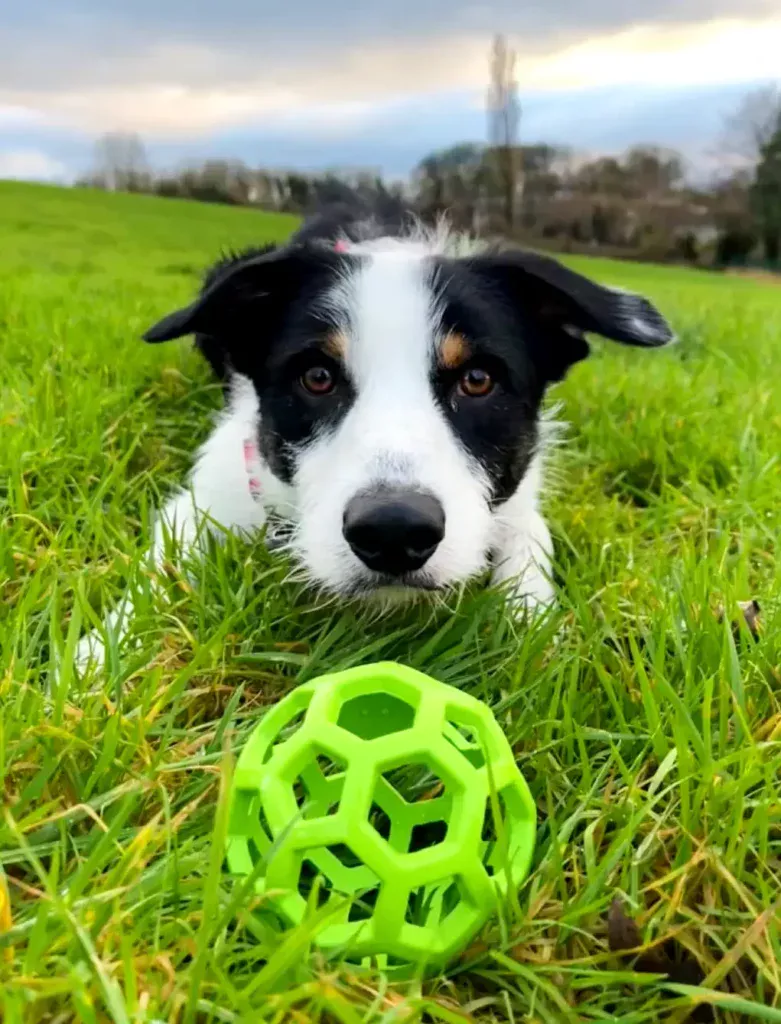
(649, 733)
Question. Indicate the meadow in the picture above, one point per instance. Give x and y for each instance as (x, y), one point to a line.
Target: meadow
(644, 713)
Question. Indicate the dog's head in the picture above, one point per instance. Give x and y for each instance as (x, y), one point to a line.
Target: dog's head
(400, 390)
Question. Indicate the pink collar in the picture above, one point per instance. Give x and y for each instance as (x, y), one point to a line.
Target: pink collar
(252, 467)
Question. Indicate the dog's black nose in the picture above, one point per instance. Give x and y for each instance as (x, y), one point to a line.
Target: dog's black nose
(394, 532)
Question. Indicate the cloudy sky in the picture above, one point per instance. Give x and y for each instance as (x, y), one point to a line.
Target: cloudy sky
(344, 83)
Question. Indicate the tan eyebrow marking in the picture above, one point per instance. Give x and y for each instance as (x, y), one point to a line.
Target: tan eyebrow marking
(454, 350)
(336, 345)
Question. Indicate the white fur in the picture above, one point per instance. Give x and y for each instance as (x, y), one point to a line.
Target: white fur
(218, 483)
(395, 434)
(522, 545)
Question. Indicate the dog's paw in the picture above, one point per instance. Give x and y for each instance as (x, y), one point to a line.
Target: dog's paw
(530, 599)
(530, 592)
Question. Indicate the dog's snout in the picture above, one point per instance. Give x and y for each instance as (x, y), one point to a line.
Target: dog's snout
(394, 532)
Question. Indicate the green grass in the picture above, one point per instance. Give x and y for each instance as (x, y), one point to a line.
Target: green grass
(649, 733)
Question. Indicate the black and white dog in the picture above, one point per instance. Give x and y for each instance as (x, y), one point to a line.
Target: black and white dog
(384, 389)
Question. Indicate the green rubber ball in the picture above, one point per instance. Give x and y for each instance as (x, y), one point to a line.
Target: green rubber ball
(392, 798)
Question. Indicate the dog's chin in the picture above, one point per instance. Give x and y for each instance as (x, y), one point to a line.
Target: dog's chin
(390, 589)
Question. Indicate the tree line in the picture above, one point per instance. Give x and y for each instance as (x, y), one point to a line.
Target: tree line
(639, 204)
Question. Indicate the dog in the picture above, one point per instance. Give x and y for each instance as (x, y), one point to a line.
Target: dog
(384, 387)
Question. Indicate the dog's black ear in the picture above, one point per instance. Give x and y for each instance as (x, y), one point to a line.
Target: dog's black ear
(175, 325)
(242, 300)
(566, 305)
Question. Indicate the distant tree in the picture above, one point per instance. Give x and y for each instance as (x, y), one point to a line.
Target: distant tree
(687, 248)
(604, 176)
(463, 156)
(542, 161)
(734, 245)
(222, 181)
(121, 164)
(729, 199)
(169, 187)
(299, 191)
(451, 181)
(752, 136)
(605, 221)
(751, 126)
(766, 196)
(652, 170)
(504, 116)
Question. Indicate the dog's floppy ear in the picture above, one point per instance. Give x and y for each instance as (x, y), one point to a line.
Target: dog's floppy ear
(244, 296)
(175, 325)
(566, 305)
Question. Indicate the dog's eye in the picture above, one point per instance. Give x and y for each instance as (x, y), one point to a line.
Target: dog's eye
(476, 383)
(318, 380)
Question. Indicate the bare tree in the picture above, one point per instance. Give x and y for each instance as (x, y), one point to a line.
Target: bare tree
(751, 126)
(504, 116)
(120, 163)
(653, 170)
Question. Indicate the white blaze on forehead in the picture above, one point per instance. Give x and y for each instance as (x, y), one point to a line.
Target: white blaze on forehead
(389, 306)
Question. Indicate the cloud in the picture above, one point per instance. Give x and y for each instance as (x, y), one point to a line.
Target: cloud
(312, 84)
(721, 51)
(15, 117)
(186, 88)
(81, 43)
(31, 165)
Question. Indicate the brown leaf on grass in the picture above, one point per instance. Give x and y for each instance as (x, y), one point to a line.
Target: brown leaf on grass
(751, 611)
(622, 931)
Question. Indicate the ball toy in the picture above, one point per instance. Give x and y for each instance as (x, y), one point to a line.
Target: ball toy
(391, 799)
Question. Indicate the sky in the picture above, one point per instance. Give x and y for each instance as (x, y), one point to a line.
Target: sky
(317, 84)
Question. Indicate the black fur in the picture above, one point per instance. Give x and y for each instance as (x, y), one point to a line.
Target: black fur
(212, 347)
(355, 220)
(290, 415)
(500, 429)
(258, 315)
(352, 220)
(524, 317)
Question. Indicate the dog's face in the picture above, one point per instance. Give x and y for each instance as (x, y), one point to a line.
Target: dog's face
(400, 390)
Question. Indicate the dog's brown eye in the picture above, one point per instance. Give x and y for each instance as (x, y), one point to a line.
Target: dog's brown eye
(318, 380)
(476, 383)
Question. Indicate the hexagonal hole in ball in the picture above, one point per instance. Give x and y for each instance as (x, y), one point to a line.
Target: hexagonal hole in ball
(380, 821)
(496, 834)
(411, 807)
(318, 787)
(374, 715)
(466, 741)
(415, 782)
(338, 871)
(429, 834)
(433, 904)
(362, 907)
